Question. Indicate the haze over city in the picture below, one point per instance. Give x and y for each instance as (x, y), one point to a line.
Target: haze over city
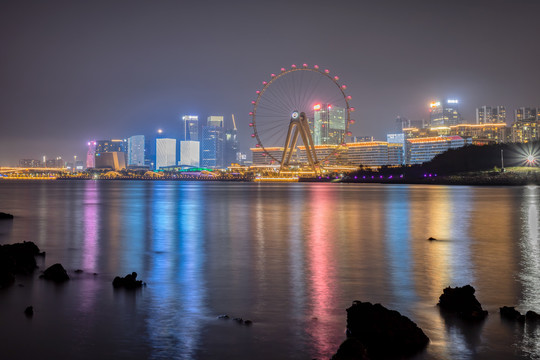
(74, 71)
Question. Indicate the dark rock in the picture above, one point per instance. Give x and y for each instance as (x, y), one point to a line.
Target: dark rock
(384, 333)
(351, 349)
(5, 216)
(78, 271)
(16, 259)
(129, 281)
(56, 273)
(239, 320)
(248, 322)
(29, 311)
(510, 313)
(532, 316)
(6, 278)
(223, 317)
(431, 239)
(461, 300)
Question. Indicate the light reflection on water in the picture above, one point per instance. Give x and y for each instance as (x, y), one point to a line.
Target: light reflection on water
(289, 257)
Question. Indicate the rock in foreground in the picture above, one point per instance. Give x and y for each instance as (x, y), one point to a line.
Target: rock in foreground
(461, 300)
(351, 349)
(384, 333)
(56, 273)
(16, 259)
(5, 216)
(129, 281)
(510, 313)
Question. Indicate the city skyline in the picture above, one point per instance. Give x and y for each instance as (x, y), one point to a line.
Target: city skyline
(67, 81)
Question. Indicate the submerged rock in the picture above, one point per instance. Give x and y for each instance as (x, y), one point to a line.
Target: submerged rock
(56, 273)
(510, 313)
(5, 216)
(461, 300)
(129, 281)
(29, 311)
(384, 333)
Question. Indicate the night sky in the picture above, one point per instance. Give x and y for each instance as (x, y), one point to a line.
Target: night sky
(71, 71)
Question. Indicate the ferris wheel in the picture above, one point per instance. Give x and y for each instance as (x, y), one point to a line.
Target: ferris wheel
(311, 92)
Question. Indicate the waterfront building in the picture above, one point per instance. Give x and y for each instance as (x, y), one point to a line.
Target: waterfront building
(259, 157)
(524, 131)
(135, 152)
(368, 153)
(326, 154)
(212, 147)
(214, 121)
(490, 115)
(114, 145)
(481, 134)
(58, 162)
(527, 114)
(91, 155)
(444, 113)
(189, 153)
(191, 127)
(29, 163)
(420, 150)
(165, 152)
(231, 146)
(114, 160)
(328, 124)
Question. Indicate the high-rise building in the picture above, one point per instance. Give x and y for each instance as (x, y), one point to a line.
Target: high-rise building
(114, 160)
(189, 153)
(328, 124)
(444, 113)
(111, 145)
(91, 155)
(29, 163)
(165, 152)
(212, 147)
(490, 115)
(231, 147)
(215, 121)
(136, 150)
(191, 127)
(527, 114)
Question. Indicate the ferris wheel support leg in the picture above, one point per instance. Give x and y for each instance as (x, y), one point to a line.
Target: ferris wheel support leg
(309, 144)
(308, 151)
(292, 127)
(293, 144)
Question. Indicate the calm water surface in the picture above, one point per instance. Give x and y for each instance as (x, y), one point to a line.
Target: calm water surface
(290, 257)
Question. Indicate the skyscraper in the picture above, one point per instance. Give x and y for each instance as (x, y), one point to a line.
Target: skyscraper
(165, 152)
(189, 153)
(231, 145)
(490, 115)
(91, 155)
(136, 150)
(328, 125)
(444, 113)
(191, 127)
(213, 146)
(527, 114)
(215, 121)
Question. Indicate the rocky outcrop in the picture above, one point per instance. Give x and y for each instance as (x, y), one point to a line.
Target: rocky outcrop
(510, 313)
(532, 316)
(128, 282)
(461, 301)
(29, 311)
(383, 333)
(56, 273)
(5, 216)
(16, 259)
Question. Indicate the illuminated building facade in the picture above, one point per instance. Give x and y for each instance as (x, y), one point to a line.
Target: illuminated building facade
(323, 153)
(490, 115)
(372, 153)
(113, 160)
(191, 127)
(29, 163)
(214, 121)
(189, 153)
(444, 113)
(212, 147)
(135, 151)
(231, 146)
(91, 154)
(261, 158)
(526, 131)
(527, 114)
(328, 125)
(420, 150)
(481, 134)
(165, 152)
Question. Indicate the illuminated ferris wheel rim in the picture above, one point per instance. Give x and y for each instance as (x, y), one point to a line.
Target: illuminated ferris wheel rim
(294, 68)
